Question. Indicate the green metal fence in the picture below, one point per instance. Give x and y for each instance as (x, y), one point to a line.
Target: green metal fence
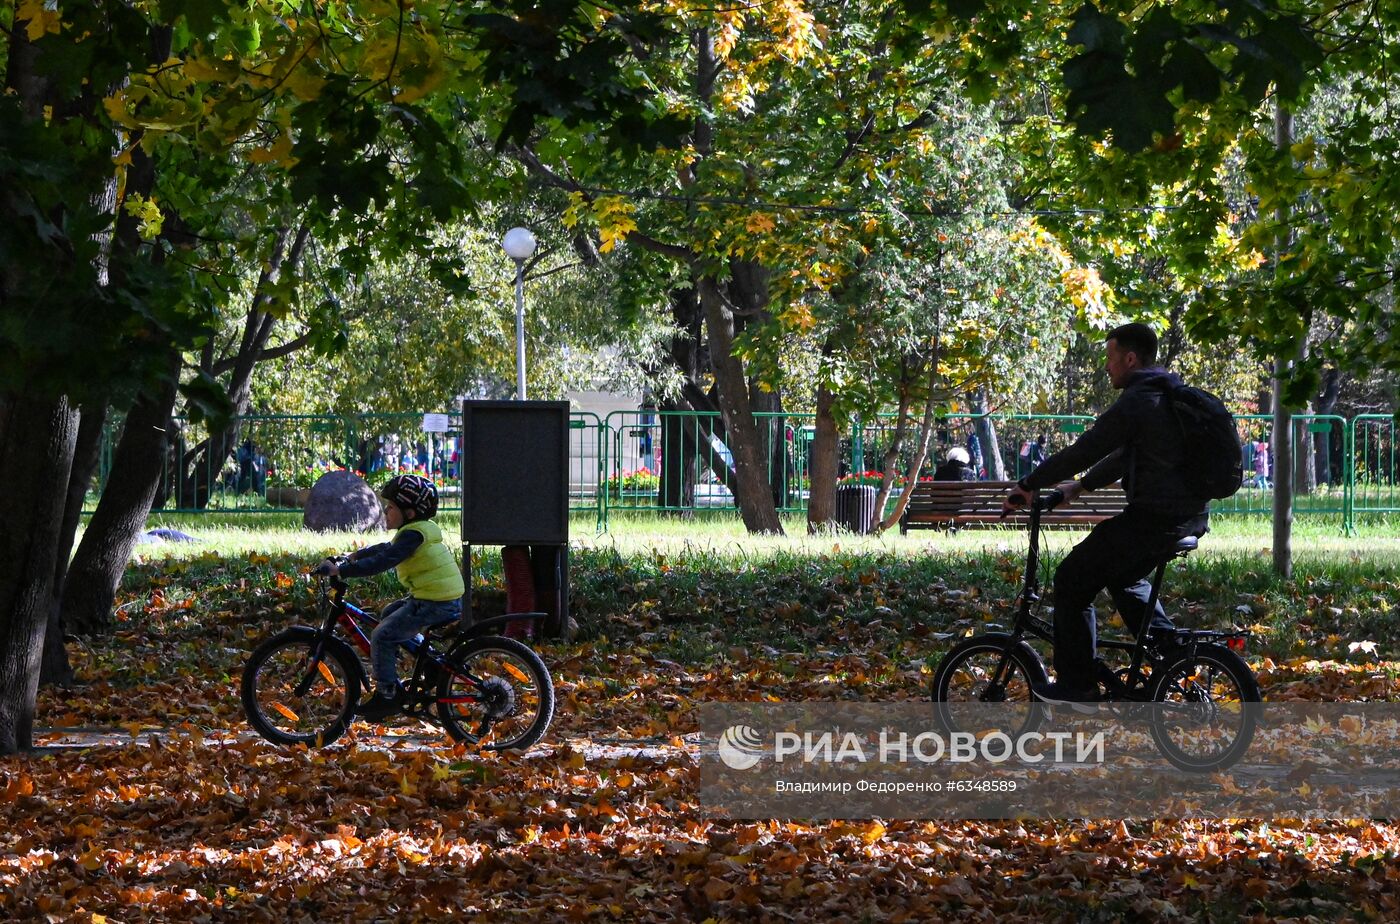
(1375, 465)
(660, 461)
(639, 474)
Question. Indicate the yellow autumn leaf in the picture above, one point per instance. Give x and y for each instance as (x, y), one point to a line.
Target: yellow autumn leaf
(798, 316)
(41, 21)
(759, 223)
(279, 152)
(210, 70)
(614, 215)
(304, 83)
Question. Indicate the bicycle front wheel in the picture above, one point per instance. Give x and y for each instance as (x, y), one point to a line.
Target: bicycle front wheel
(988, 669)
(495, 692)
(288, 699)
(1206, 708)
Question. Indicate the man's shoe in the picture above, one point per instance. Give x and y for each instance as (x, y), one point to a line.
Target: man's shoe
(379, 706)
(1084, 702)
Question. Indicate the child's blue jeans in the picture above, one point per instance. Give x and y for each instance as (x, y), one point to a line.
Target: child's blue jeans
(401, 621)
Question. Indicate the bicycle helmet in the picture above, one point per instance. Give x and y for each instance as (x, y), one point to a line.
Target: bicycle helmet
(414, 491)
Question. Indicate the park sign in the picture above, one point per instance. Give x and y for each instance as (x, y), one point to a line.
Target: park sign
(436, 423)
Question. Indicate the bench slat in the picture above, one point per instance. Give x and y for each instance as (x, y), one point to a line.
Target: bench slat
(946, 503)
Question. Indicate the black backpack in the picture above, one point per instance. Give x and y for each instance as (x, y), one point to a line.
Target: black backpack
(1214, 459)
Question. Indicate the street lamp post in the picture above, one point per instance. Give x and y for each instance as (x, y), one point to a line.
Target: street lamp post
(519, 244)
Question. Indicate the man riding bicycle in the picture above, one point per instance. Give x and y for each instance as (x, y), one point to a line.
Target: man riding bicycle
(1139, 441)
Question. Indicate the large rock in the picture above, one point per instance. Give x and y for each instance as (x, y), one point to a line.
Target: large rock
(342, 500)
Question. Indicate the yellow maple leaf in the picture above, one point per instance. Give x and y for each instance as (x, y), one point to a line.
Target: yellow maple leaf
(40, 19)
(760, 222)
(799, 317)
(614, 215)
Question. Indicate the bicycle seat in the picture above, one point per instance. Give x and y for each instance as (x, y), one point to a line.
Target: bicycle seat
(443, 629)
(1184, 545)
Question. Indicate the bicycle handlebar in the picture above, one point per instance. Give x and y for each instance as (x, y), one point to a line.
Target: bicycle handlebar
(1046, 502)
(1050, 500)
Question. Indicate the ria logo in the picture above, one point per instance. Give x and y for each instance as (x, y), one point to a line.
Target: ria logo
(740, 747)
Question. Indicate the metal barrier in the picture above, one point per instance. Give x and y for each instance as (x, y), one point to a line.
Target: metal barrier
(1375, 466)
(639, 473)
(621, 462)
(273, 460)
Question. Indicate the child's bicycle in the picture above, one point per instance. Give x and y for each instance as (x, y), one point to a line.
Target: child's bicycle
(302, 685)
(1204, 696)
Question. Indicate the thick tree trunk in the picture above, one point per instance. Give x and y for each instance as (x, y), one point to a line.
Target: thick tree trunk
(37, 437)
(677, 487)
(987, 436)
(93, 418)
(772, 435)
(821, 468)
(121, 514)
(751, 478)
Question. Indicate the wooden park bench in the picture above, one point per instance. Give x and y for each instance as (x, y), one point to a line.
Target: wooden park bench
(950, 504)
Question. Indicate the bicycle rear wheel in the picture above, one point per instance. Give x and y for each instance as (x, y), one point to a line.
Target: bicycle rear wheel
(288, 700)
(1205, 709)
(965, 686)
(495, 692)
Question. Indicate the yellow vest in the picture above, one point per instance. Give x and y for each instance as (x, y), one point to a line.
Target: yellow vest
(430, 573)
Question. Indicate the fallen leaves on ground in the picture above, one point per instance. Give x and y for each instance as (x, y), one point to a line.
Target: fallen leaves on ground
(200, 822)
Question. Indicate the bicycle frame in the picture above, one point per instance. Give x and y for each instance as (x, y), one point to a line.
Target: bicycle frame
(340, 613)
(1027, 623)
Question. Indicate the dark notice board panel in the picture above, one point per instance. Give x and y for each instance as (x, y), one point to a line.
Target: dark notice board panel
(515, 472)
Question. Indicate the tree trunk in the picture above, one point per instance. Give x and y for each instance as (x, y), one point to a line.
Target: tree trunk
(1283, 418)
(920, 453)
(1325, 404)
(37, 438)
(821, 468)
(210, 455)
(987, 436)
(1303, 474)
(92, 419)
(677, 488)
(103, 554)
(751, 478)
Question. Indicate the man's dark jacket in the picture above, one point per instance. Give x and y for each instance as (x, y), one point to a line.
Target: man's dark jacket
(1138, 440)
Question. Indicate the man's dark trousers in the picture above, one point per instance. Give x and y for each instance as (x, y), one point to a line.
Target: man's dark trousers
(1120, 554)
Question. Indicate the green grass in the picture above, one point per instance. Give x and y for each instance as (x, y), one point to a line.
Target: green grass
(696, 588)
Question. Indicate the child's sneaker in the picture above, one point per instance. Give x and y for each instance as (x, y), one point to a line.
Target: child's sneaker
(381, 705)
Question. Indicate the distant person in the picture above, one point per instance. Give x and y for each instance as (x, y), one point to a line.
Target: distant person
(1263, 468)
(955, 467)
(252, 468)
(1032, 454)
(974, 456)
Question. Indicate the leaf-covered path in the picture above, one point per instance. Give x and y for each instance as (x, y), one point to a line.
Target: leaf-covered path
(174, 812)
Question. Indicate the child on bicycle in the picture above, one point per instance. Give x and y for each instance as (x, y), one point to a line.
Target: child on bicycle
(425, 566)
